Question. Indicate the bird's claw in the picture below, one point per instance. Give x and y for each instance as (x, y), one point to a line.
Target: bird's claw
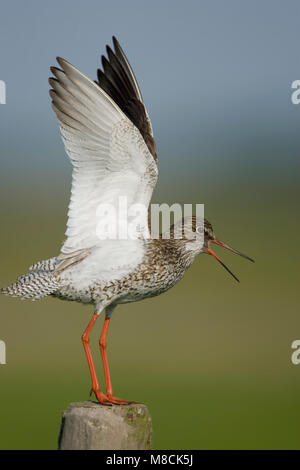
(120, 401)
(108, 399)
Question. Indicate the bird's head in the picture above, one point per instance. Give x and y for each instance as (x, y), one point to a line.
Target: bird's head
(197, 235)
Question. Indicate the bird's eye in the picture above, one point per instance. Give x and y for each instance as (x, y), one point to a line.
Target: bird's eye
(199, 229)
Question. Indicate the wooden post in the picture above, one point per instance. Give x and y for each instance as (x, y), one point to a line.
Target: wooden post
(90, 426)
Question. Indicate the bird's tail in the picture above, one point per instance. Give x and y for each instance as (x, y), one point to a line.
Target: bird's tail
(37, 283)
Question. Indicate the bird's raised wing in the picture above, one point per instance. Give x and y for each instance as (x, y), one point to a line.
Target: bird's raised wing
(118, 80)
(103, 136)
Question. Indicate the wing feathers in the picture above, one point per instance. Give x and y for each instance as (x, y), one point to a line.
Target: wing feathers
(118, 81)
(127, 67)
(88, 87)
(108, 152)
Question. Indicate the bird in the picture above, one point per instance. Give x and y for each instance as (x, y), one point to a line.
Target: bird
(108, 136)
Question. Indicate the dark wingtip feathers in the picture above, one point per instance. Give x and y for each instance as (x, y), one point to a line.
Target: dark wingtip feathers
(118, 80)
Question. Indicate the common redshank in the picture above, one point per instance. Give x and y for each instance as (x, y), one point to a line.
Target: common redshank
(108, 136)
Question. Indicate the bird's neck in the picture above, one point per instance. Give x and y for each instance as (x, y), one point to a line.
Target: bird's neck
(170, 251)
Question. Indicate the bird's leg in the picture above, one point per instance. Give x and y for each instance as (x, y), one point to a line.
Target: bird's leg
(102, 344)
(101, 397)
(109, 392)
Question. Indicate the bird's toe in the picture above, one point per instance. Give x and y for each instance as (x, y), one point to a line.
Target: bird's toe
(119, 401)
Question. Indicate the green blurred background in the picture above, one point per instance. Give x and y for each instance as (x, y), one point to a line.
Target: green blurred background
(211, 358)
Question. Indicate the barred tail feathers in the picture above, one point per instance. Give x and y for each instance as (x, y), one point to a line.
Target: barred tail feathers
(36, 284)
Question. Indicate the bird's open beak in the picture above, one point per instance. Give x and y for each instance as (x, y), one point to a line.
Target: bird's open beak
(217, 242)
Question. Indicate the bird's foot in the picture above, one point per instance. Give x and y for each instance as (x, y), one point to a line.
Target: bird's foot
(109, 399)
(101, 397)
(119, 401)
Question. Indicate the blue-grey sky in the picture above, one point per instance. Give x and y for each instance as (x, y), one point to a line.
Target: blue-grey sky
(216, 78)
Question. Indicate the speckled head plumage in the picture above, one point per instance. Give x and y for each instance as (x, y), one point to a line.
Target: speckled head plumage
(197, 235)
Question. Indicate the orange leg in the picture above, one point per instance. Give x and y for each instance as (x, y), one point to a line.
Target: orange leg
(109, 392)
(101, 397)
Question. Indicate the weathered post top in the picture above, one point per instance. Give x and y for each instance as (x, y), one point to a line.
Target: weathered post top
(90, 426)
